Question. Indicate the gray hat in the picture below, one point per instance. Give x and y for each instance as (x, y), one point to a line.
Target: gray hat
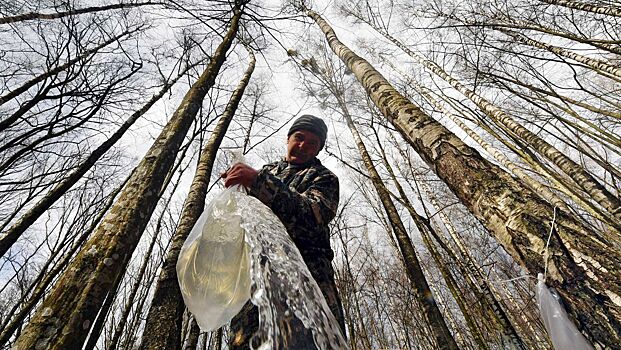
(310, 123)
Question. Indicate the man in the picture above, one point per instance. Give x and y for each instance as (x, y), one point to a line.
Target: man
(304, 195)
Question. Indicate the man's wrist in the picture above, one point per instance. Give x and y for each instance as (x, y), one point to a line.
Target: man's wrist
(257, 182)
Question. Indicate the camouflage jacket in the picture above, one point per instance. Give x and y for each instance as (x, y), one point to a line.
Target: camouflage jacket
(305, 198)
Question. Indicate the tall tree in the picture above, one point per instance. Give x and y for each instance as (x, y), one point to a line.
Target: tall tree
(579, 175)
(580, 266)
(61, 321)
(163, 328)
(441, 334)
(11, 324)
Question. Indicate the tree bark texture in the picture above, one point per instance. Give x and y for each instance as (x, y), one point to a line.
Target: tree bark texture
(130, 299)
(10, 325)
(163, 327)
(595, 64)
(64, 318)
(606, 45)
(585, 6)
(495, 153)
(472, 272)
(517, 24)
(100, 320)
(579, 175)
(425, 229)
(582, 268)
(442, 336)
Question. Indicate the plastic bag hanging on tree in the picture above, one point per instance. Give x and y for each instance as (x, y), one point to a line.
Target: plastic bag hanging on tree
(213, 267)
(562, 332)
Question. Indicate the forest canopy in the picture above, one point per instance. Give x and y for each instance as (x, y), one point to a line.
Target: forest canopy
(476, 143)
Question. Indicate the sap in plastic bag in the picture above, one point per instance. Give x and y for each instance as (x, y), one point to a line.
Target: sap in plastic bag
(213, 267)
(562, 331)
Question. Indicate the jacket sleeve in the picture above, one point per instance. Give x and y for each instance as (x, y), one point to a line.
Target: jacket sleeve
(317, 205)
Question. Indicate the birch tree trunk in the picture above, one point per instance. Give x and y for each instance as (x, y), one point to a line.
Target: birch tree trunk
(163, 328)
(424, 227)
(498, 156)
(471, 271)
(442, 335)
(64, 318)
(130, 299)
(595, 64)
(559, 180)
(100, 320)
(580, 176)
(506, 22)
(600, 44)
(585, 6)
(582, 268)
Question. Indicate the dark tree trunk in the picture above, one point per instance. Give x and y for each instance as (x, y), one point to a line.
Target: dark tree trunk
(64, 318)
(163, 328)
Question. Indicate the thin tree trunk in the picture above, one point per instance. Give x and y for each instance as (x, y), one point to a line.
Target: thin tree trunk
(585, 6)
(62, 321)
(36, 15)
(351, 303)
(595, 64)
(442, 335)
(100, 321)
(581, 267)
(424, 227)
(505, 22)
(478, 281)
(609, 137)
(603, 137)
(163, 327)
(562, 182)
(472, 275)
(131, 298)
(600, 44)
(132, 334)
(499, 156)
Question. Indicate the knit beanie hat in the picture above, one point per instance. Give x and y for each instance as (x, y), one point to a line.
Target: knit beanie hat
(310, 123)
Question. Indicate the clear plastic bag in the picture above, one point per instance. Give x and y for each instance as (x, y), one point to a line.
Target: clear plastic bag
(213, 267)
(562, 331)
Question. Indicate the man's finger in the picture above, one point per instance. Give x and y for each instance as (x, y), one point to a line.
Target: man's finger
(225, 173)
(230, 180)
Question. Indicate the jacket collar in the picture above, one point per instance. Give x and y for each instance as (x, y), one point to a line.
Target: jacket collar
(312, 162)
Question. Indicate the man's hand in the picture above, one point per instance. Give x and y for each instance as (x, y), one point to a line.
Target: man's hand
(239, 174)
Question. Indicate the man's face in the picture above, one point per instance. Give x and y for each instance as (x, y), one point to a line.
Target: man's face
(302, 146)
